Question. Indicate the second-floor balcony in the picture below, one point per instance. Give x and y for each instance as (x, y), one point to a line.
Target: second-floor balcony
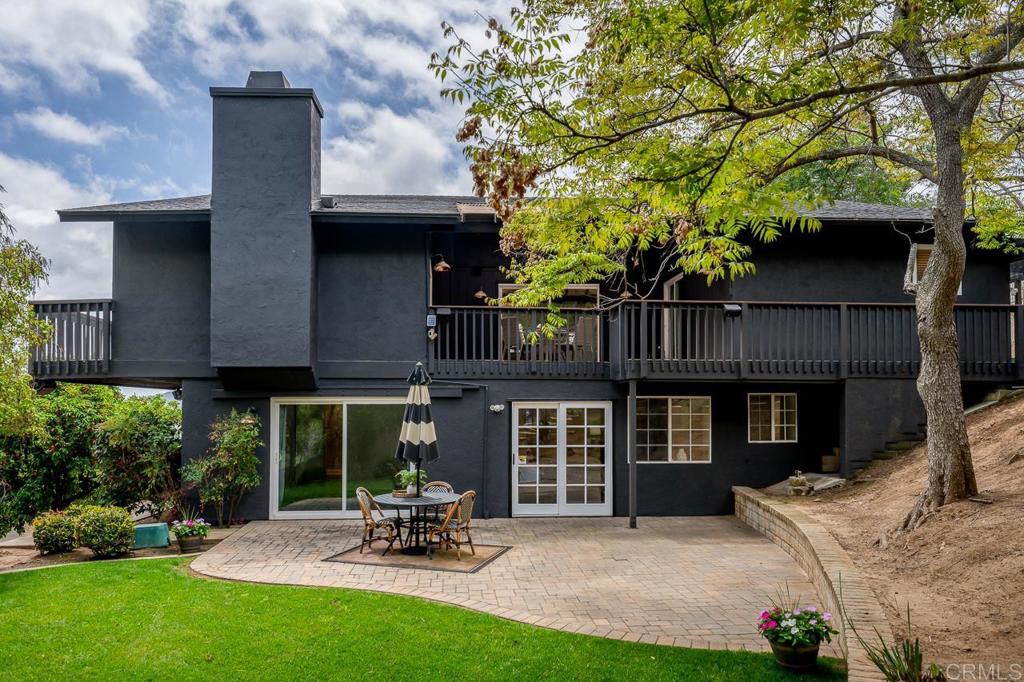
(719, 340)
(683, 340)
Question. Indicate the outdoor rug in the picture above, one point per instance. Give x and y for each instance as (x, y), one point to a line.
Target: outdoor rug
(443, 560)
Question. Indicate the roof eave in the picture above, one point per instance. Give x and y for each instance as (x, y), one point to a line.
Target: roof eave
(73, 216)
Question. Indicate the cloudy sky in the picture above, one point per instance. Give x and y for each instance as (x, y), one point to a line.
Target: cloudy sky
(106, 100)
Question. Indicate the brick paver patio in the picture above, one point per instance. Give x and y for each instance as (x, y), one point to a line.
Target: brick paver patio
(694, 581)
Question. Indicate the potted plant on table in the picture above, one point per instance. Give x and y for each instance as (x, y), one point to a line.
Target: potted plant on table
(795, 634)
(406, 479)
(190, 533)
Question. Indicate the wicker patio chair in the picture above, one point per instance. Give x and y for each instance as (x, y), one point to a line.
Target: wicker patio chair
(374, 520)
(439, 487)
(454, 526)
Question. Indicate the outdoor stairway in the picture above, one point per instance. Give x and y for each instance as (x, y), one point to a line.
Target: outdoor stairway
(907, 440)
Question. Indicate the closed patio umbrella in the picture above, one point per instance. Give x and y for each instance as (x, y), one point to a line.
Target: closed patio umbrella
(417, 442)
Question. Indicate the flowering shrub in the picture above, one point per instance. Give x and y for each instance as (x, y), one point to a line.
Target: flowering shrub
(795, 626)
(231, 469)
(190, 527)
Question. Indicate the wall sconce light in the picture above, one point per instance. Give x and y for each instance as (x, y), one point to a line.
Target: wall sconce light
(441, 265)
(480, 294)
(497, 408)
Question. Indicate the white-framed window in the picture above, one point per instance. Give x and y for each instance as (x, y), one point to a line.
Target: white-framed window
(771, 417)
(922, 252)
(323, 448)
(674, 429)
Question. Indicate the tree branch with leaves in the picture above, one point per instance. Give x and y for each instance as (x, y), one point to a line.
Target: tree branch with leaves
(686, 127)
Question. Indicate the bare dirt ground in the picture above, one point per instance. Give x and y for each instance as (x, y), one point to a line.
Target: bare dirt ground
(962, 571)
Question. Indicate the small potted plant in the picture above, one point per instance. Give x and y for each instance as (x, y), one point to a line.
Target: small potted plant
(407, 480)
(190, 533)
(795, 633)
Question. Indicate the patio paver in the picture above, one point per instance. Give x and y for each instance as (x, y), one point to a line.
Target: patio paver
(687, 581)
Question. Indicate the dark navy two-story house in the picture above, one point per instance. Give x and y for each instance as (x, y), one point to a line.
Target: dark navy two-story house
(311, 309)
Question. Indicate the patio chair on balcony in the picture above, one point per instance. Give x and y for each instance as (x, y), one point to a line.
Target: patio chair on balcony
(374, 519)
(454, 527)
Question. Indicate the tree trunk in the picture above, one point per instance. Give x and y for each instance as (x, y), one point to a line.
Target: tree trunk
(950, 470)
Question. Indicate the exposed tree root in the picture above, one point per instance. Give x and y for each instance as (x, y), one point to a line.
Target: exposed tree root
(925, 506)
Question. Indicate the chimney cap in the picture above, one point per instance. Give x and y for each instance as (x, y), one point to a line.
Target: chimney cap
(267, 79)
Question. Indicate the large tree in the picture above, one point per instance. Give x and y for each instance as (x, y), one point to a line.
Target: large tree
(675, 125)
(22, 270)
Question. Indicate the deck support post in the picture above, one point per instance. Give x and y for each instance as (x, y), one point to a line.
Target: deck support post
(631, 450)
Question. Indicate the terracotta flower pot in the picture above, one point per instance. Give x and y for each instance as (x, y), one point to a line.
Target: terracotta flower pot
(190, 543)
(799, 659)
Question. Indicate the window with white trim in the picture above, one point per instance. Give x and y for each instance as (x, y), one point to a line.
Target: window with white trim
(771, 417)
(922, 252)
(676, 429)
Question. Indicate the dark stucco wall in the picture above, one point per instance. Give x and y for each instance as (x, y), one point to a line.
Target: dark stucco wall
(876, 411)
(663, 489)
(161, 289)
(261, 235)
(371, 293)
(854, 262)
(670, 489)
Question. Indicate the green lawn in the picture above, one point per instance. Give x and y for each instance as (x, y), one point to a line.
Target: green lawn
(148, 620)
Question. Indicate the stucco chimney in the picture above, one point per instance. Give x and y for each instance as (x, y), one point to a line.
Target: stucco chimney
(266, 178)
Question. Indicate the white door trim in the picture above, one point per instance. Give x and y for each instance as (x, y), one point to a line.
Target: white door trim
(562, 507)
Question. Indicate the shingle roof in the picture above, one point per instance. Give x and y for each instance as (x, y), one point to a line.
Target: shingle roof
(445, 207)
(858, 210)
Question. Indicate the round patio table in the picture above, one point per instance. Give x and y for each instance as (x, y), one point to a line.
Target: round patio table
(417, 519)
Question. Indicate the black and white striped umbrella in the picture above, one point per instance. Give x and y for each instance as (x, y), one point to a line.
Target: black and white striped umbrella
(417, 442)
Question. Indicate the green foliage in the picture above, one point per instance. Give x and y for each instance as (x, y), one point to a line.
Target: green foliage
(901, 661)
(231, 469)
(22, 270)
(107, 531)
(137, 454)
(49, 466)
(54, 533)
(854, 180)
(407, 477)
(697, 128)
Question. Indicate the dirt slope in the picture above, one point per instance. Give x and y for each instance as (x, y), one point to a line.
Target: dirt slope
(962, 571)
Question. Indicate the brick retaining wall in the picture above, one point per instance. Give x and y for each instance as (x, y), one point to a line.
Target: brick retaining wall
(829, 569)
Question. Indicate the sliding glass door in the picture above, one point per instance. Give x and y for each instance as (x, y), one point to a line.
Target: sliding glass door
(325, 448)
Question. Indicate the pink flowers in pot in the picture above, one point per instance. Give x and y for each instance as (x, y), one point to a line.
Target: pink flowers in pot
(795, 626)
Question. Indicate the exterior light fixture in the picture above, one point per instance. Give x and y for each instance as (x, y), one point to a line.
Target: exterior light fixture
(497, 408)
(480, 294)
(441, 265)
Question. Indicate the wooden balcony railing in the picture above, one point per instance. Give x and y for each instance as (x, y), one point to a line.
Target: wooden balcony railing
(513, 342)
(79, 344)
(661, 339)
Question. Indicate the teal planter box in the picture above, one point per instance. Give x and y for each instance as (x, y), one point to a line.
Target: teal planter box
(151, 535)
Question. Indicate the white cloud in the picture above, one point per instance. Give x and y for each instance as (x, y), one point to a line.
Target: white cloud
(75, 41)
(67, 128)
(391, 154)
(80, 253)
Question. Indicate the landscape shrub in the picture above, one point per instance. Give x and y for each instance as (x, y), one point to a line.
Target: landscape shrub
(137, 454)
(107, 531)
(232, 468)
(51, 465)
(54, 533)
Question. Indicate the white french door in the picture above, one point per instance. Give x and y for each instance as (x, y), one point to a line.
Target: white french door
(561, 459)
